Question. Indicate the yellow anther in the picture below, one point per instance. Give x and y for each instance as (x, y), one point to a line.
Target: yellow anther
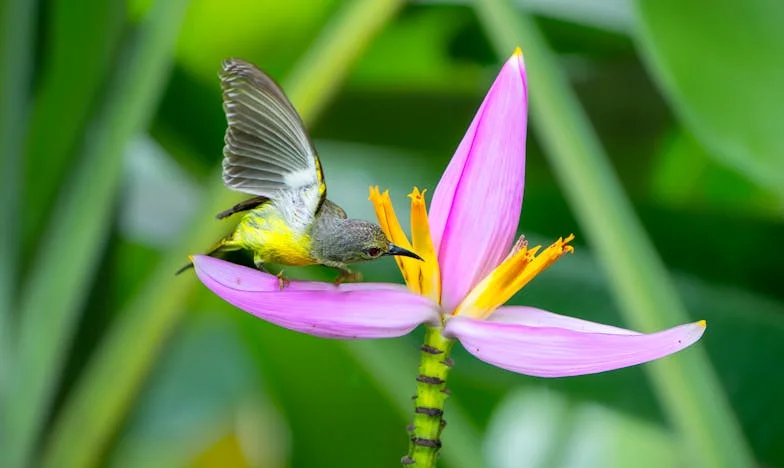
(519, 268)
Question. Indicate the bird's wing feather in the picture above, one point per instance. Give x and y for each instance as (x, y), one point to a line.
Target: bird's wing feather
(268, 152)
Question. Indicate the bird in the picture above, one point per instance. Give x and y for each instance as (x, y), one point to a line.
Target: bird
(269, 155)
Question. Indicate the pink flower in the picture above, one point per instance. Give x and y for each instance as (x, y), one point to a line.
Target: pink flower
(471, 266)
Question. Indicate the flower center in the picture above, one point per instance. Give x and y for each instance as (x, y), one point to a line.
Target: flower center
(520, 266)
(422, 277)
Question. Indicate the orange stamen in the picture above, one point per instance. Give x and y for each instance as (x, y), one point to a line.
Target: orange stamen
(429, 273)
(387, 219)
(517, 270)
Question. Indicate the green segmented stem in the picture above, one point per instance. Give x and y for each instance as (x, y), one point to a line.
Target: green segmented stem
(429, 400)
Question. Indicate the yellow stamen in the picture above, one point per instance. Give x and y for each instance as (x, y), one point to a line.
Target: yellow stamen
(519, 268)
(429, 273)
(387, 219)
(518, 51)
(702, 323)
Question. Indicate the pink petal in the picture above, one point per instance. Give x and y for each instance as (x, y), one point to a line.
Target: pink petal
(534, 317)
(476, 205)
(354, 310)
(564, 347)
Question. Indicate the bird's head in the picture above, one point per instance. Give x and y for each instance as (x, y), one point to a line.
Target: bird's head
(361, 240)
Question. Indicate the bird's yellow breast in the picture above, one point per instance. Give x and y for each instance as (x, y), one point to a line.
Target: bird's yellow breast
(266, 233)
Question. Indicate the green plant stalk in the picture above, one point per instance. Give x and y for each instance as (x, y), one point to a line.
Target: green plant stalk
(429, 400)
(686, 385)
(80, 50)
(462, 439)
(17, 28)
(113, 377)
(66, 262)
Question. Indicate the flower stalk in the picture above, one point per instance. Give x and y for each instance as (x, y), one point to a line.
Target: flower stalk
(429, 400)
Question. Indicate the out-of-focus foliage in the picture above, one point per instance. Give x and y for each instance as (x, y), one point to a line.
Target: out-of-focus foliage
(685, 98)
(706, 61)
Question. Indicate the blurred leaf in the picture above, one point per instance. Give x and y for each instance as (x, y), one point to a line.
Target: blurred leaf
(687, 387)
(392, 364)
(17, 29)
(437, 48)
(99, 403)
(687, 176)
(123, 268)
(426, 123)
(190, 409)
(198, 95)
(548, 429)
(159, 200)
(267, 32)
(79, 51)
(611, 15)
(60, 276)
(423, 38)
(226, 451)
(722, 70)
(713, 246)
(195, 143)
(336, 413)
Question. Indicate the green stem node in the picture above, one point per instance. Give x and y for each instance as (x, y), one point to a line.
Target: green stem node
(429, 400)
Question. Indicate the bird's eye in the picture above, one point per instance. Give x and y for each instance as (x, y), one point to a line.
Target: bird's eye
(374, 251)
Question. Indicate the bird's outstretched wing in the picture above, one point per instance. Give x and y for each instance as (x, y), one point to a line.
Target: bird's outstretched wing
(268, 152)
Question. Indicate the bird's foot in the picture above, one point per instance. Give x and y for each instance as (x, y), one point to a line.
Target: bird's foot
(283, 282)
(348, 276)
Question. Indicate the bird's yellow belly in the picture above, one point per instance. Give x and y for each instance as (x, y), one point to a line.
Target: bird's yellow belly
(264, 232)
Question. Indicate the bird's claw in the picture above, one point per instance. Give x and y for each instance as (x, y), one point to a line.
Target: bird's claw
(348, 276)
(283, 282)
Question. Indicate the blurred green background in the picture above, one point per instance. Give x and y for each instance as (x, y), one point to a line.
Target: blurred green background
(654, 125)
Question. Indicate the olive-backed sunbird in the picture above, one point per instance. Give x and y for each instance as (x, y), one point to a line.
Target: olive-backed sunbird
(268, 154)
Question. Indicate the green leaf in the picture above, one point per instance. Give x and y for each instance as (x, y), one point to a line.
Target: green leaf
(427, 35)
(686, 176)
(101, 400)
(64, 267)
(335, 411)
(79, 50)
(721, 67)
(202, 390)
(392, 365)
(687, 387)
(267, 32)
(549, 429)
(17, 29)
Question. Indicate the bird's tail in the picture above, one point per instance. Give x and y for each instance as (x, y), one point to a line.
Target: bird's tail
(183, 268)
(223, 245)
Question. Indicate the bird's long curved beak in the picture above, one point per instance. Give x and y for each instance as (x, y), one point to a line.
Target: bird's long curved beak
(395, 250)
